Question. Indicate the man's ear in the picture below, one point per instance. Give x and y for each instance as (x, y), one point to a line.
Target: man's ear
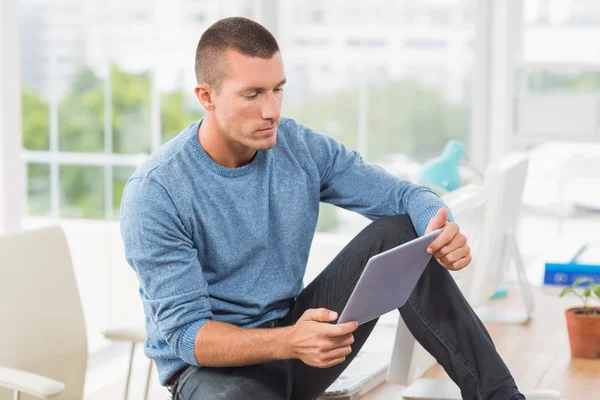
(205, 95)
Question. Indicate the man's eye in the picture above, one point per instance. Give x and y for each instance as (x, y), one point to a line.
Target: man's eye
(278, 90)
(252, 96)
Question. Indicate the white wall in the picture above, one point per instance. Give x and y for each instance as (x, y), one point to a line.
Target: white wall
(12, 196)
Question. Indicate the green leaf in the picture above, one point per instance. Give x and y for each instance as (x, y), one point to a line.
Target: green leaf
(587, 292)
(597, 291)
(565, 291)
(581, 280)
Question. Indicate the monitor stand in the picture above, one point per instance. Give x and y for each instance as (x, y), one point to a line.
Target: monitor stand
(511, 316)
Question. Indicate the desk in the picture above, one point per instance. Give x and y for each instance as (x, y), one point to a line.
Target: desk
(560, 176)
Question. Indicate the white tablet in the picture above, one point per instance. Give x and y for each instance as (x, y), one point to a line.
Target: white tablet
(388, 280)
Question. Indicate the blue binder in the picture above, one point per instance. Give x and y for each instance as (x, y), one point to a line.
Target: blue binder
(565, 273)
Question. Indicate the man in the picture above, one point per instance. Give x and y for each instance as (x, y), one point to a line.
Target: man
(218, 225)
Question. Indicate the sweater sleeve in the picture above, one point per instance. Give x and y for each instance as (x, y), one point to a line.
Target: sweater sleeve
(161, 251)
(348, 181)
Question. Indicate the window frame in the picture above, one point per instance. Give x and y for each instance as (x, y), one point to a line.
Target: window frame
(12, 176)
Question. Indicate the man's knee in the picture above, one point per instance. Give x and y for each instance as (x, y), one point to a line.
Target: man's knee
(398, 228)
(395, 223)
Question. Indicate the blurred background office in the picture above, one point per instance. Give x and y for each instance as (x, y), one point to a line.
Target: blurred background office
(90, 88)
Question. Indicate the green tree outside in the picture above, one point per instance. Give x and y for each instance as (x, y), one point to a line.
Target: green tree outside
(81, 114)
(545, 81)
(405, 116)
(36, 121)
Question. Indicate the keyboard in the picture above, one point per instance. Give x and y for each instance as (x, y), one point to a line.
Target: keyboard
(365, 372)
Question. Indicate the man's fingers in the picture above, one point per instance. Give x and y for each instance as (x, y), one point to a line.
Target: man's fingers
(455, 255)
(338, 353)
(319, 315)
(462, 263)
(334, 362)
(457, 242)
(445, 237)
(341, 341)
(341, 329)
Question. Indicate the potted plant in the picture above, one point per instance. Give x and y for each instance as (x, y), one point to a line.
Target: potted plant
(583, 323)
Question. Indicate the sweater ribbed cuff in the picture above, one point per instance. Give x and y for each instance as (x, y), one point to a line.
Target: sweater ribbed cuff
(425, 215)
(188, 340)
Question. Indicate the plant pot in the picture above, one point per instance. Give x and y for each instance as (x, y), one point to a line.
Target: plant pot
(584, 332)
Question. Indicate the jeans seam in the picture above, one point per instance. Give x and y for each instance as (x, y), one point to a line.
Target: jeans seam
(447, 347)
(344, 292)
(359, 275)
(182, 379)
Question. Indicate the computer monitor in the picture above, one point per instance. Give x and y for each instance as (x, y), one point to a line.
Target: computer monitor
(504, 184)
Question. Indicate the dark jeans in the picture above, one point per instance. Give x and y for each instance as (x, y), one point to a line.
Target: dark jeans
(436, 313)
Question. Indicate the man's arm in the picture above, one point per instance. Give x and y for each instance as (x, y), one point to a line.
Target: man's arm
(159, 248)
(348, 181)
(311, 340)
(219, 344)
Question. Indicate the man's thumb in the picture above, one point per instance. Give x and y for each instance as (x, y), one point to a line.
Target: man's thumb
(320, 315)
(439, 221)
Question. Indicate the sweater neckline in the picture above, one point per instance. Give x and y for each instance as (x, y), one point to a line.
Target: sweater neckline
(217, 168)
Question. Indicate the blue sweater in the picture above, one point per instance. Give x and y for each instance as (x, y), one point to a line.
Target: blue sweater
(231, 244)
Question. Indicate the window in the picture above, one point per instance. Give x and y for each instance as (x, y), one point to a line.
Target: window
(560, 72)
(559, 79)
(198, 17)
(317, 16)
(101, 91)
(425, 43)
(107, 83)
(309, 12)
(310, 42)
(367, 42)
(572, 62)
(571, 13)
(38, 189)
(396, 107)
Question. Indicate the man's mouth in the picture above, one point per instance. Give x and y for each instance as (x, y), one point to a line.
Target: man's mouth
(268, 129)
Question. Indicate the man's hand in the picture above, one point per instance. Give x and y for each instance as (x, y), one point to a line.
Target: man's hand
(319, 344)
(450, 248)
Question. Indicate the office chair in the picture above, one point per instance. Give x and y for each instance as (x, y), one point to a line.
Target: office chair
(43, 339)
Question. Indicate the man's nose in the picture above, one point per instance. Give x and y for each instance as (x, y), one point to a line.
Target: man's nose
(271, 108)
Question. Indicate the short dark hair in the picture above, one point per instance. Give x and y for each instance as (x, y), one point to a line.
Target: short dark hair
(236, 33)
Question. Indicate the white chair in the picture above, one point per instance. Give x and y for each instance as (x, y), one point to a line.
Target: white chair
(133, 336)
(41, 308)
(43, 340)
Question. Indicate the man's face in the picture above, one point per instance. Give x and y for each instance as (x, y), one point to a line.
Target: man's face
(248, 102)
